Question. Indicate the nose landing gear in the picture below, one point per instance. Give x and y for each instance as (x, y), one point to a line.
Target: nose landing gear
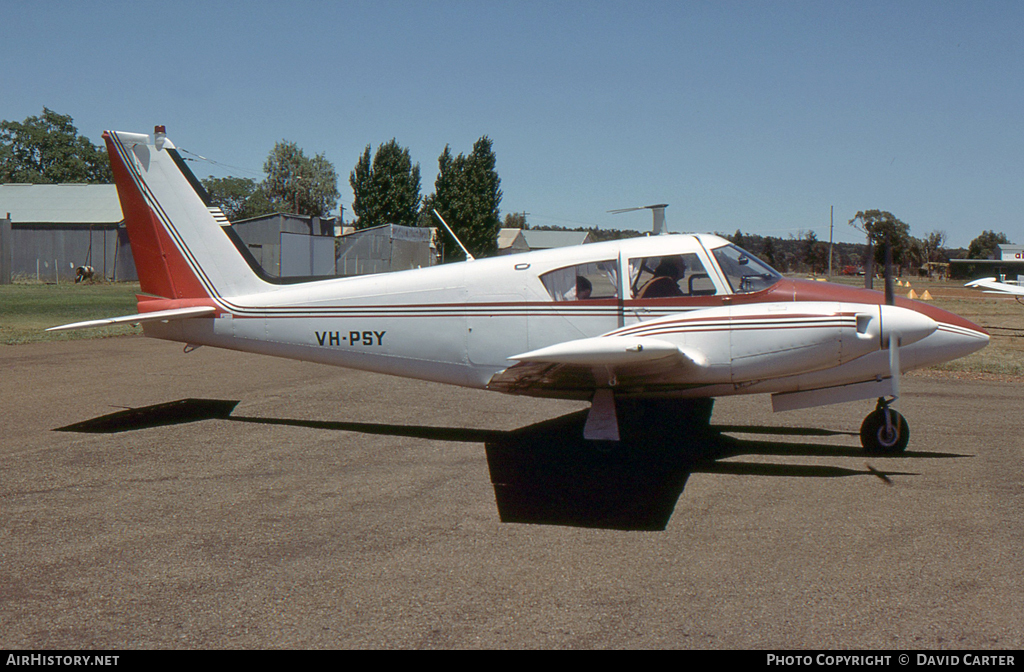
(884, 431)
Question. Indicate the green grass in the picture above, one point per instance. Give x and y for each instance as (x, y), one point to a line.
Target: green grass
(27, 309)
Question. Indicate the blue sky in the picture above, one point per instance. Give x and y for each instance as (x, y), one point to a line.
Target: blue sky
(756, 116)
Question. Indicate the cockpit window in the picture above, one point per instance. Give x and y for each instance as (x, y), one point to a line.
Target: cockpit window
(745, 272)
(672, 275)
(598, 280)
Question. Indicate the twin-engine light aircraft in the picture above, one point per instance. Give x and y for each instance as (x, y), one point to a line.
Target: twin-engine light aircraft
(628, 322)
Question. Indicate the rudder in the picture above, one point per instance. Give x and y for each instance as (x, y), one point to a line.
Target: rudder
(179, 248)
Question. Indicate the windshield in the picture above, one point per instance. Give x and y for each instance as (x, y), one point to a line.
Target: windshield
(745, 272)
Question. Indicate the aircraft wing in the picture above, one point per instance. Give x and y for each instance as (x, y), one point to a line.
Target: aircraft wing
(155, 316)
(992, 286)
(585, 364)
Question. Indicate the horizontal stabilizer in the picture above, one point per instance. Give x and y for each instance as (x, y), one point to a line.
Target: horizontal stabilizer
(156, 316)
(606, 351)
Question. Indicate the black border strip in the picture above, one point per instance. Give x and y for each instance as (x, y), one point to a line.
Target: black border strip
(190, 176)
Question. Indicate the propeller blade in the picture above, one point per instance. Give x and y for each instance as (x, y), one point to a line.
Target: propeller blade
(890, 297)
(879, 474)
(894, 364)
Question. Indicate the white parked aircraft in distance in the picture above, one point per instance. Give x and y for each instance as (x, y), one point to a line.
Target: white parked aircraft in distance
(993, 286)
(640, 321)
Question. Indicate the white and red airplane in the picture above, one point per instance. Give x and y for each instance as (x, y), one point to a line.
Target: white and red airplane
(654, 318)
(993, 286)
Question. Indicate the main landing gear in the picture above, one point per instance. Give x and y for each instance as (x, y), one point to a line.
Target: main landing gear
(884, 430)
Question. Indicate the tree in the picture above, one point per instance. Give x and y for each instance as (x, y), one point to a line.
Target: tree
(296, 183)
(48, 150)
(516, 220)
(467, 193)
(933, 246)
(386, 190)
(815, 252)
(880, 226)
(986, 245)
(768, 252)
(238, 197)
(737, 239)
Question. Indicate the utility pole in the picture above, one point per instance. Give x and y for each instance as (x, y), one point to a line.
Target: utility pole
(6, 250)
(831, 208)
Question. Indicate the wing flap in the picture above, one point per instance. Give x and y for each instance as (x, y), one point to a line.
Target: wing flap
(155, 316)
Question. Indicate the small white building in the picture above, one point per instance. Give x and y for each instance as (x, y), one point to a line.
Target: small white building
(1011, 252)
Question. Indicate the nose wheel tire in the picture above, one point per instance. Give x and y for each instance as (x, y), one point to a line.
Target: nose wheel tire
(879, 436)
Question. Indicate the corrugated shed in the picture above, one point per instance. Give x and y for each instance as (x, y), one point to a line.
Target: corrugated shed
(382, 249)
(60, 203)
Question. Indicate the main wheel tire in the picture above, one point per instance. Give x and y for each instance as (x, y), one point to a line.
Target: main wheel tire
(876, 437)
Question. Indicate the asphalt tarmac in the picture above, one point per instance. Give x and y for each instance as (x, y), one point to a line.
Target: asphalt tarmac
(296, 505)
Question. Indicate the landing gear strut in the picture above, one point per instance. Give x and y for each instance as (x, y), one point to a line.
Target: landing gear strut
(884, 430)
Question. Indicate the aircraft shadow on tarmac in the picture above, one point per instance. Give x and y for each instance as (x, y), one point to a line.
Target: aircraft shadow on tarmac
(546, 473)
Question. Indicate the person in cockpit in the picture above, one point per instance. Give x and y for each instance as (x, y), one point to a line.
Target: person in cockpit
(666, 279)
(584, 288)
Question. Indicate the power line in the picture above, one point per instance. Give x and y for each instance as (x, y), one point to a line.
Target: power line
(218, 163)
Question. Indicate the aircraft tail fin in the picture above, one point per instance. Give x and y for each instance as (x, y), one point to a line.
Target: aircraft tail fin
(180, 249)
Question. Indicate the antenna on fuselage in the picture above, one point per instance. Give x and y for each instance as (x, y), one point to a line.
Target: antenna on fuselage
(469, 257)
(658, 211)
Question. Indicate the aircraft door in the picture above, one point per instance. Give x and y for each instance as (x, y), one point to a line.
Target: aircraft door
(497, 322)
(583, 302)
(657, 286)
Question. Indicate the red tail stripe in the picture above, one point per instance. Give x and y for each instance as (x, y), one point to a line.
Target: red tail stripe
(160, 266)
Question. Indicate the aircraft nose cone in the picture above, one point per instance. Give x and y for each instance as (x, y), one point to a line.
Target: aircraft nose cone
(909, 325)
(963, 337)
(952, 338)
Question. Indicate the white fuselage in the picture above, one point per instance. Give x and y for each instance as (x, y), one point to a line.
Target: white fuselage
(666, 315)
(461, 323)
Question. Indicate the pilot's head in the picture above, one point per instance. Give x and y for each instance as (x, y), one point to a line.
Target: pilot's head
(583, 288)
(673, 267)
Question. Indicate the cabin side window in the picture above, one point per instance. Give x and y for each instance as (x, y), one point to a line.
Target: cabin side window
(672, 275)
(597, 280)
